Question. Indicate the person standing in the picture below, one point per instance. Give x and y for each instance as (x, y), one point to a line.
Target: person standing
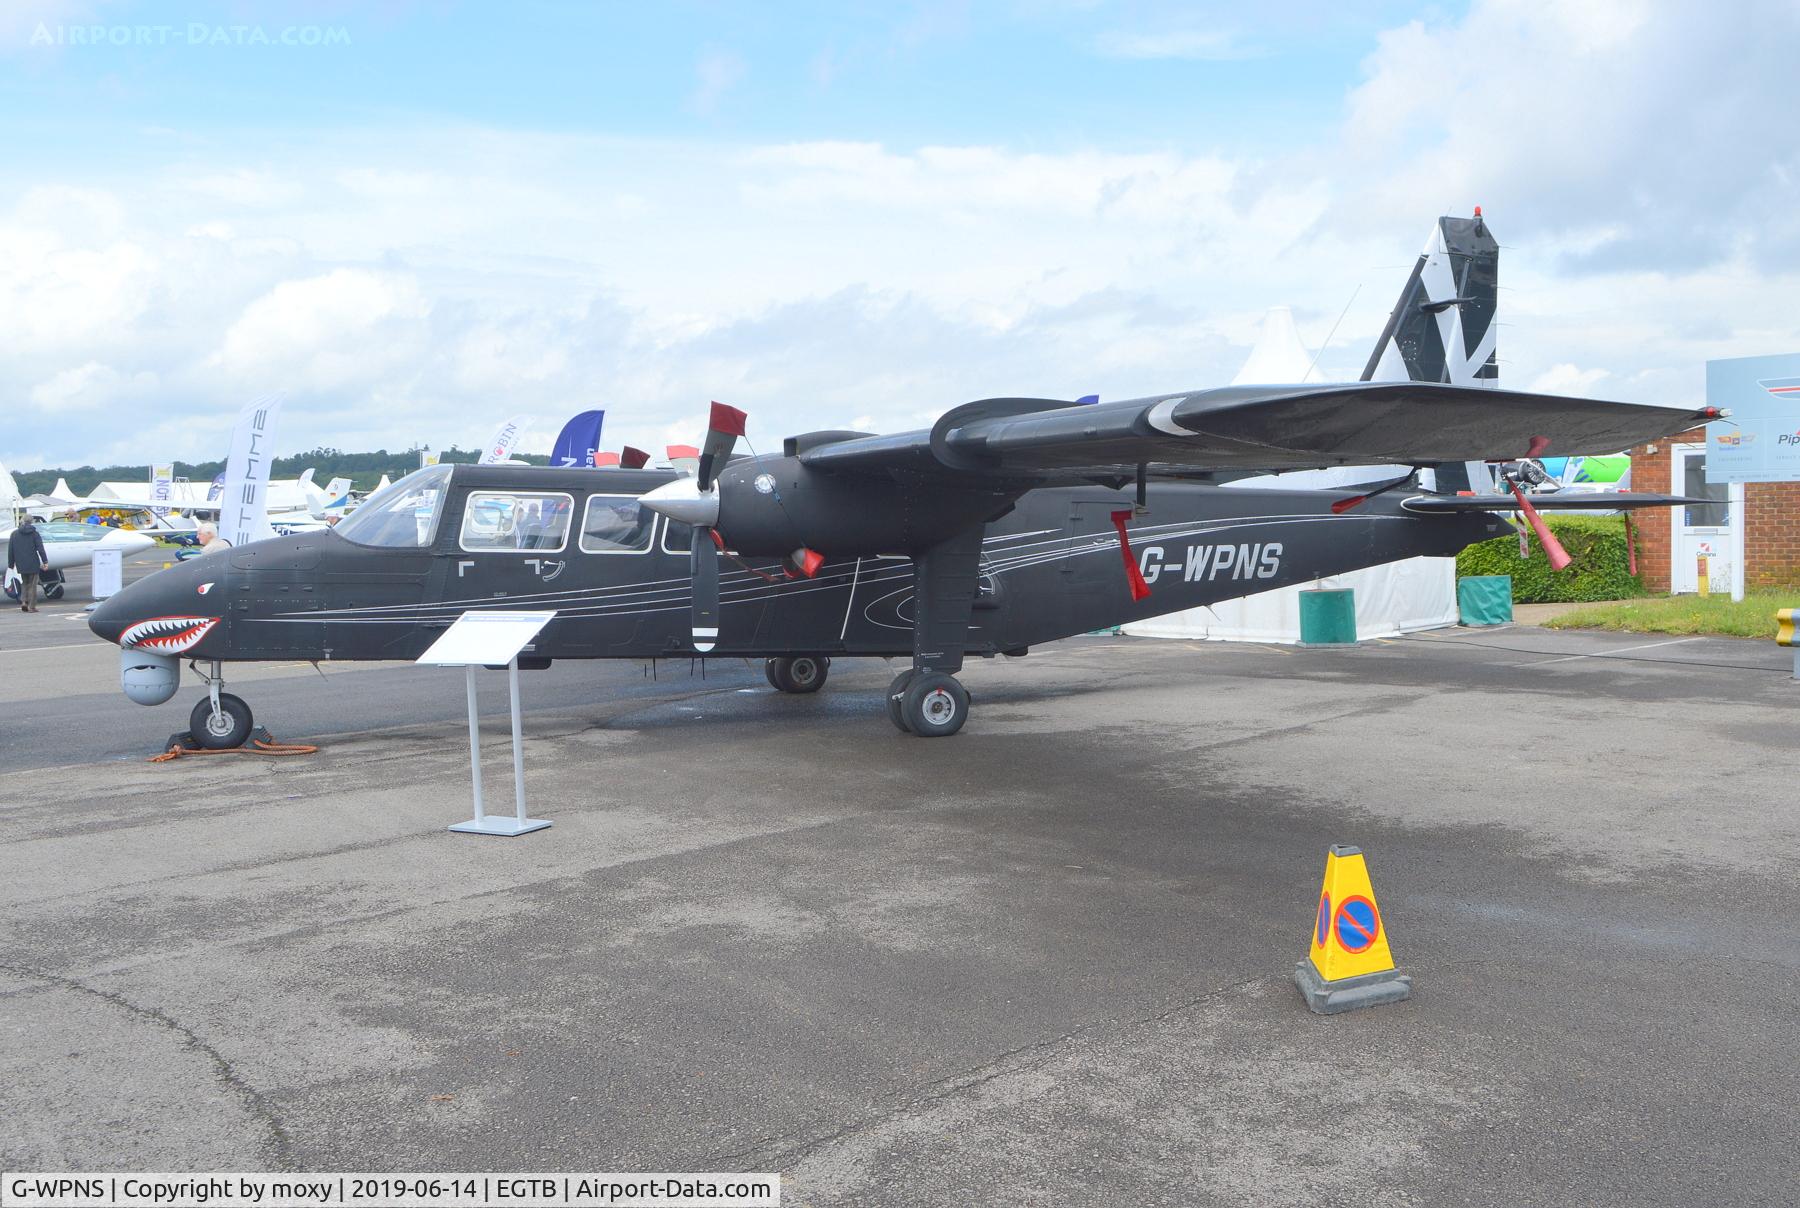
(25, 553)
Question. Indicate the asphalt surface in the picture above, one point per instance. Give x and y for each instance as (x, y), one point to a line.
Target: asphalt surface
(1045, 962)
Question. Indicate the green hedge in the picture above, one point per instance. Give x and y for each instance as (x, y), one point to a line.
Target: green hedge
(1597, 545)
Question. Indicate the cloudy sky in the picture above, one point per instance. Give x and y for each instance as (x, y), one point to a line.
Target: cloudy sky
(417, 219)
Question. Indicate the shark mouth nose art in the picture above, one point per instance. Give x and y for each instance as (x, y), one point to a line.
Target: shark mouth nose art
(168, 635)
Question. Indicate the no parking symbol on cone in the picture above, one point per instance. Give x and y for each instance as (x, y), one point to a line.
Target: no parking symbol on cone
(1350, 964)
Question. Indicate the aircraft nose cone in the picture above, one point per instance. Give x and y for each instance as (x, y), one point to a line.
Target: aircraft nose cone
(684, 501)
(109, 619)
(127, 543)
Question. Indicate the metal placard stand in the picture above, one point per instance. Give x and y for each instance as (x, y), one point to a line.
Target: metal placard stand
(490, 639)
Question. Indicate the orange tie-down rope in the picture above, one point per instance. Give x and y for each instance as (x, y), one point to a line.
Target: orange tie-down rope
(256, 746)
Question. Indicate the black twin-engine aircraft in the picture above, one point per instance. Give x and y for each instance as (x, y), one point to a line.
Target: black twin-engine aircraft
(1009, 523)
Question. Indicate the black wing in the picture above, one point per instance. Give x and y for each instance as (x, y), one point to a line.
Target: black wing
(1261, 428)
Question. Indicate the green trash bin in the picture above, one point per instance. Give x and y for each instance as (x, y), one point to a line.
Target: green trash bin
(1328, 618)
(1484, 600)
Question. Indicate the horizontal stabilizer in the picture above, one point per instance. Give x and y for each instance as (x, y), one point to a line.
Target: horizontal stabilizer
(1585, 501)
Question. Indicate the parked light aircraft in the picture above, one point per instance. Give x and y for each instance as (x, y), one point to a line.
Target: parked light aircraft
(1010, 522)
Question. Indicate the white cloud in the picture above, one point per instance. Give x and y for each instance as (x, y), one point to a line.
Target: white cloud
(346, 329)
(1568, 379)
(89, 386)
(1637, 162)
(715, 74)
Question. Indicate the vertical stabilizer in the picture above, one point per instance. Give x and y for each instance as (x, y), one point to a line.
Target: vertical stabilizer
(9, 490)
(1442, 328)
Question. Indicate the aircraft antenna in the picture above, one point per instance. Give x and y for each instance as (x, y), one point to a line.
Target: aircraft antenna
(1315, 361)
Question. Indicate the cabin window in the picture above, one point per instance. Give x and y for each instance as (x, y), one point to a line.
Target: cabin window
(678, 538)
(495, 521)
(405, 516)
(616, 524)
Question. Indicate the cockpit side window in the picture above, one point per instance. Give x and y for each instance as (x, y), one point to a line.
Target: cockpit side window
(617, 524)
(405, 516)
(677, 538)
(507, 521)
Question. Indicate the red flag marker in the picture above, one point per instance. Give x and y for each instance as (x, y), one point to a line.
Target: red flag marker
(1140, 590)
(727, 420)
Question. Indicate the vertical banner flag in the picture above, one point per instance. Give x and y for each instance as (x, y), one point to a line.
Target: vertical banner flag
(504, 441)
(427, 460)
(580, 437)
(162, 486)
(217, 488)
(243, 505)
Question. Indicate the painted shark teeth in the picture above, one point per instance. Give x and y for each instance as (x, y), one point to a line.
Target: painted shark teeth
(167, 635)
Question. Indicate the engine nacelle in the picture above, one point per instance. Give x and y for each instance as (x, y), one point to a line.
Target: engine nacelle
(772, 505)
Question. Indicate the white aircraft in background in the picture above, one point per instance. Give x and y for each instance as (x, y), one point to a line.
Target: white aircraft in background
(66, 545)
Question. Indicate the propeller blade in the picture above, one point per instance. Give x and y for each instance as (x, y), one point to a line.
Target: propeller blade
(1553, 549)
(633, 459)
(606, 461)
(705, 558)
(722, 432)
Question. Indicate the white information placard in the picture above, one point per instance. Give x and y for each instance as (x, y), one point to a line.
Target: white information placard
(485, 639)
(109, 574)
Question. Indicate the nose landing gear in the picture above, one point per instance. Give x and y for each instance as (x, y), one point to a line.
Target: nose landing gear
(221, 721)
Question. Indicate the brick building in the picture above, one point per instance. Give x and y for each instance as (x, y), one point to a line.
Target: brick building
(1770, 520)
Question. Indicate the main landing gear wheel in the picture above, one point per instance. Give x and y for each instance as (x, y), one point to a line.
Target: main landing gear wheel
(53, 591)
(934, 705)
(799, 675)
(895, 694)
(220, 731)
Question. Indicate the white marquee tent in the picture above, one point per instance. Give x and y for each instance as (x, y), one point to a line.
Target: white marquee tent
(1419, 593)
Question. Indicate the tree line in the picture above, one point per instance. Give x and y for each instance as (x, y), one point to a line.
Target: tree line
(363, 470)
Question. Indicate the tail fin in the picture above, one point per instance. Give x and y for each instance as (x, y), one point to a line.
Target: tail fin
(9, 490)
(1442, 328)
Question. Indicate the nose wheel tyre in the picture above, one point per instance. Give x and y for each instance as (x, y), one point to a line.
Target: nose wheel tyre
(220, 731)
(934, 705)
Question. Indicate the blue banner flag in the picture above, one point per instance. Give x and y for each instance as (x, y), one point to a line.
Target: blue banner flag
(579, 438)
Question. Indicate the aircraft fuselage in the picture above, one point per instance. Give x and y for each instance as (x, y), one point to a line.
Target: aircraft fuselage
(1050, 568)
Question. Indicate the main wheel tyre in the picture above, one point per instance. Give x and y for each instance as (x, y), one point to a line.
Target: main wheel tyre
(935, 705)
(220, 731)
(895, 694)
(805, 673)
(772, 673)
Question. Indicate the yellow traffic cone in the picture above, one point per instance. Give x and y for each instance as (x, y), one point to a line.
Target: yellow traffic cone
(1350, 964)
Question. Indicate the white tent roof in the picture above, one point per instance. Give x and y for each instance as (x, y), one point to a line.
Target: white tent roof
(1279, 357)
